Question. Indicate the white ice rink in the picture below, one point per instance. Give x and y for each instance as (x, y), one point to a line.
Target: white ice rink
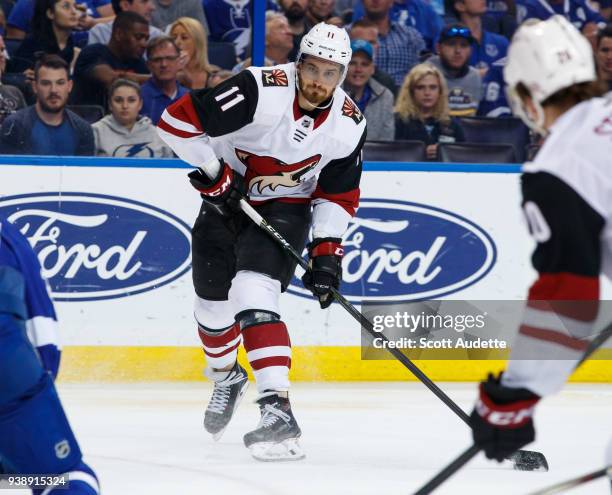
(367, 438)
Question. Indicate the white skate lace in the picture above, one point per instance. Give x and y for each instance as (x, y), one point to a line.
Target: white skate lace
(221, 392)
(271, 415)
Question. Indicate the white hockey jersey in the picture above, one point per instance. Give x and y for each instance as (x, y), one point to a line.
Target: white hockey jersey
(253, 121)
(567, 201)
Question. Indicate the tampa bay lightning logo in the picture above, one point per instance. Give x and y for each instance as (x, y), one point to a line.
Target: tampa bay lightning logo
(93, 246)
(399, 251)
(138, 150)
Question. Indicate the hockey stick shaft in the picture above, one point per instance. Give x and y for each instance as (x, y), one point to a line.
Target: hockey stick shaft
(596, 343)
(448, 471)
(566, 485)
(365, 323)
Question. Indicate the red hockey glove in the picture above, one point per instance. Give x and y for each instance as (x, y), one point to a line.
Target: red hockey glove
(224, 192)
(502, 418)
(325, 268)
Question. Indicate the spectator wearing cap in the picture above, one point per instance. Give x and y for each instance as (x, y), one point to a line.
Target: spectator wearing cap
(418, 14)
(422, 112)
(399, 46)
(464, 82)
(373, 99)
(368, 31)
(101, 33)
(487, 47)
(603, 55)
(163, 88)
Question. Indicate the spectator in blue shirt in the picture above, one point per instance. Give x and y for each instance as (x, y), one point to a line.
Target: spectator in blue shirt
(163, 88)
(47, 127)
(399, 46)
(578, 12)
(20, 18)
(418, 14)
(494, 102)
(487, 47)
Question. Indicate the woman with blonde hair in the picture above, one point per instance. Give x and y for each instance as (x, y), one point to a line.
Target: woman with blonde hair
(190, 38)
(422, 112)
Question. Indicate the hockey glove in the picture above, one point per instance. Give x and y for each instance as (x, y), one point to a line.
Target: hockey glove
(325, 268)
(224, 192)
(502, 419)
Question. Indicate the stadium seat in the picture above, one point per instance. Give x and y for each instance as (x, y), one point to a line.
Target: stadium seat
(222, 53)
(531, 151)
(476, 153)
(90, 113)
(497, 131)
(394, 151)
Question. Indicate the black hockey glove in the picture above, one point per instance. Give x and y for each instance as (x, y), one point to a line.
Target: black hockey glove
(325, 268)
(502, 418)
(224, 192)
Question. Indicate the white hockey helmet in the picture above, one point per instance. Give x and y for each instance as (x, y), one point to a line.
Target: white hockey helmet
(327, 42)
(546, 56)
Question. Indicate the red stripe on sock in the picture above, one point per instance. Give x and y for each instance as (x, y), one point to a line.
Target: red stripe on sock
(554, 336)
(266, 362)
(266, 335)
(219, 339)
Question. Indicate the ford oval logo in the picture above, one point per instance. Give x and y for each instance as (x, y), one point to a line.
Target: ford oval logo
(95, 247)
(400, 251)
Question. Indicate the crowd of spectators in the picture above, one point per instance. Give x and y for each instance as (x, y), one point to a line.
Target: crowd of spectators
(92, 77)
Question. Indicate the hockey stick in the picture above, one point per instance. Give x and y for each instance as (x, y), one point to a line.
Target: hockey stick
(566, 485)
(448, 471)
(464, 458)
(524, 460)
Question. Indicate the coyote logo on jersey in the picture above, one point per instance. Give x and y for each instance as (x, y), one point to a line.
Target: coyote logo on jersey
(267, 171)
(274, 77)
(349, 109)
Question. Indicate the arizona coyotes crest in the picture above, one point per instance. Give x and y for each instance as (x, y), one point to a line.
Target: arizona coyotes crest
(274, 77)
(267, 171)
(349, 109)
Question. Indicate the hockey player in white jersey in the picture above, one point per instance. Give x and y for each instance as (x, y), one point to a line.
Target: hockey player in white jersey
(290, 139)
(567, 201)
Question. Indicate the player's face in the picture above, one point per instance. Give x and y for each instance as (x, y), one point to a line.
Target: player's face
(164, 63)
(455, 52)
(318, 79)
(135, 40)
(360, 69)
(604, 57)
(64, 14)
(52, 88)
(142, 7)
(369, 34)
(426, 93)
(125, 104)
(183, 40)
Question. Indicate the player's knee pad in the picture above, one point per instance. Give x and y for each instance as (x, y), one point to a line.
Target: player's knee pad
(82, 481)
(213, 315)
(252, 317)
(35, 436)
(252, 290)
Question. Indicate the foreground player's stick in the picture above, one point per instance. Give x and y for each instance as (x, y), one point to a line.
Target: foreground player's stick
(524, 460)
(448, 471)
(464, 458)
(566, 485)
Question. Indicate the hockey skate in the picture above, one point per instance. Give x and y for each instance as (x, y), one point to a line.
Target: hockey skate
(228, 391)
(276, 435)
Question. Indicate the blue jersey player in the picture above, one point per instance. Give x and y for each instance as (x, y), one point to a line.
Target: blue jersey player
(35, 437)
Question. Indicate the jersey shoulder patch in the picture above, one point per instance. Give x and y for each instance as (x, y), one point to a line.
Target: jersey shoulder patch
(350, 110)
(274, 77)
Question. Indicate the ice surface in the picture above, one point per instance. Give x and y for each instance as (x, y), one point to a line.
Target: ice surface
(366, 438)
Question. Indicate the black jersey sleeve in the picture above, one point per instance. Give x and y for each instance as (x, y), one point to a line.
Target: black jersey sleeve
(229, 106)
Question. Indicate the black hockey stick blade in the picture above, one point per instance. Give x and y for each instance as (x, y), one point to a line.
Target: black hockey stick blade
(567, 485)
(448, 471)
(529, 460)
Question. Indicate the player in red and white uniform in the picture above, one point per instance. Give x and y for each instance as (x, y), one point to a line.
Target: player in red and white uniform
(567, 201)
(290, 138)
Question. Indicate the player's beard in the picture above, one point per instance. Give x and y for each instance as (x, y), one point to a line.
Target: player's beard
(314, 95)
